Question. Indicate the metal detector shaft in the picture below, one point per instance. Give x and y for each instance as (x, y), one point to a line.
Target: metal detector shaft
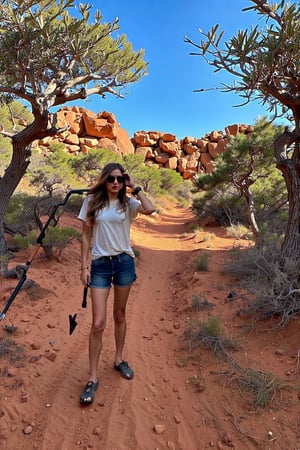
(20, 283)
(13, 295)
(39, 242)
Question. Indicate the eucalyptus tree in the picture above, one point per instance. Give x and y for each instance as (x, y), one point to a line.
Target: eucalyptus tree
(51, 53)
(264, 62)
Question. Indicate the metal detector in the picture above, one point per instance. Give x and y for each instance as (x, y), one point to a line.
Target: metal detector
(23, 269)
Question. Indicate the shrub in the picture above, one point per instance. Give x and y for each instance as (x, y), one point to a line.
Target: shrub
(55, 241)
(238, 231)
(200, 303)
(10, 349)
(88, 166)
(209, 334)
(273, 288)
(201, 262)
(263, 385)
(19, 213)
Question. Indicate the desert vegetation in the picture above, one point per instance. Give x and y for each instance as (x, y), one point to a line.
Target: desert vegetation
(252, 192)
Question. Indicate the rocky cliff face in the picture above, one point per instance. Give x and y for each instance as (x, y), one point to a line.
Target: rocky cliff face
(189, 156)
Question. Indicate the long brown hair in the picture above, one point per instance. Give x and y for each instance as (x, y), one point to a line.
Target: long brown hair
(100, 197)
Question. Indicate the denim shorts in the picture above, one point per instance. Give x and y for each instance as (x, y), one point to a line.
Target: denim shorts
(118, 270)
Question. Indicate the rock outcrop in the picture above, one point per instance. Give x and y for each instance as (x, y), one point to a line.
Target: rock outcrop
(85, 129)
(189, 156)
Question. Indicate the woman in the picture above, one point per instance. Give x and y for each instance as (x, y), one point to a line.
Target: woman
(107, 213)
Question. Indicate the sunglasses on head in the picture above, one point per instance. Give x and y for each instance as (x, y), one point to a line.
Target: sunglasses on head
(112, 178)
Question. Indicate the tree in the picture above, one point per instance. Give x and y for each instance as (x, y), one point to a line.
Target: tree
(247, 159)
(48, 58)
(265, 65)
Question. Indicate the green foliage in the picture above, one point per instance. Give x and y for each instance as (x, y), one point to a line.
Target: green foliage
(209, 334)
(248, 157)
(56, 239)
(244, 180)
(54, 171)
(156, 181)
(170, 180)
(10, 113)
(19, 213)
(25, 241)
(149, 178)
(5, 153)
(61, 236)
(51, 47)
(264, 61)
(53, 53)
(20, 216)
(88, 166)
(224, 205)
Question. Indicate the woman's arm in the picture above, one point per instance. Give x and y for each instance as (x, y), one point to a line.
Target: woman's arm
(86, 237)
(146, 207)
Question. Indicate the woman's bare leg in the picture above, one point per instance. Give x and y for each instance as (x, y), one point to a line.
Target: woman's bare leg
(99, 311)
(121, 295)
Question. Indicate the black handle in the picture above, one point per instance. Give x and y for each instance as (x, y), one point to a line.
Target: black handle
(85, 291)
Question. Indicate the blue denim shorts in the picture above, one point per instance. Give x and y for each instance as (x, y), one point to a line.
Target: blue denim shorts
(118, 270)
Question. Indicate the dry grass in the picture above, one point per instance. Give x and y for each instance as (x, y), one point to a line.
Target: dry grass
(12, 351)
(201, 262)
(200, 303)
(262, 385)
(273, 287)
(210, 335)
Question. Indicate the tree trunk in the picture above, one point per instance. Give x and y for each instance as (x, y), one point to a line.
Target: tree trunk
(244, 186)
(251, 212)
(8, 183)
(21, 152)
(291, 243)
(290, 170)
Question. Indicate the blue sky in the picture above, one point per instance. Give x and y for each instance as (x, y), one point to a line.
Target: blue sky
(164, 100)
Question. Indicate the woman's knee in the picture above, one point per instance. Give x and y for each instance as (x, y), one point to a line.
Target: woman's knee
(98, 325)
(119, 315)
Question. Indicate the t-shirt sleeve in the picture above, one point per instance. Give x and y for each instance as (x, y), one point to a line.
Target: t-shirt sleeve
(133, 207)
(83, 210)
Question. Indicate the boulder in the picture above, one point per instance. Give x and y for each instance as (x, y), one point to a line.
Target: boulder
(171, 163)
(81, 129)
(170, 147)
(97, 126)
(123, 142)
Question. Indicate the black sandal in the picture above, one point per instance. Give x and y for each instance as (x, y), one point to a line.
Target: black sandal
(87, 395)
(124, 369)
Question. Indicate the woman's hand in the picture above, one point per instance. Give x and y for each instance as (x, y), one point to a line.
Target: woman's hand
(85, 276)
(128, 180)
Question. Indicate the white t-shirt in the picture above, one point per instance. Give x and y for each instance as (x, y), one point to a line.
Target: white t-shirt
(111, 232)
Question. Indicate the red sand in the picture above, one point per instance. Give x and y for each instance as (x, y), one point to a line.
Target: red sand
(177, 400)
